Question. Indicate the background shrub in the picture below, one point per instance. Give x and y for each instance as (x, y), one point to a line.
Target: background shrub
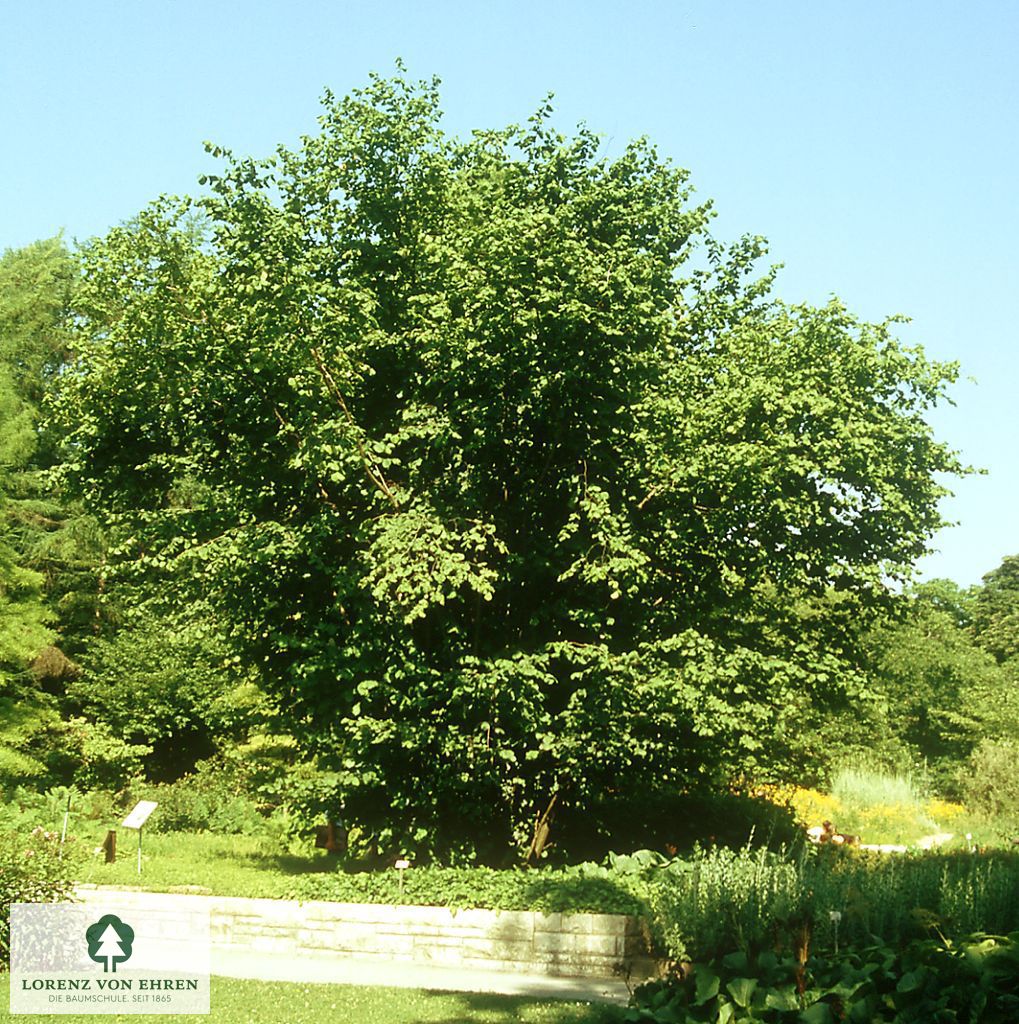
(990, 782)
(102, 759)
(32, 870)
(672, 821)
(212, 799)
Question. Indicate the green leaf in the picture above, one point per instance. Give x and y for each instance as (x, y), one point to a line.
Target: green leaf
(737, 961)
(784, 998)
(707, 985)
(819, 1013)
(913, 980)
(742, 990)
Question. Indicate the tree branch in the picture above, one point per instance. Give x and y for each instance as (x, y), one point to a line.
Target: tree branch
(374, 475)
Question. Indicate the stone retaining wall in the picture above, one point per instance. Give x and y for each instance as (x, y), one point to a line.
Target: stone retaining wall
(564, 945)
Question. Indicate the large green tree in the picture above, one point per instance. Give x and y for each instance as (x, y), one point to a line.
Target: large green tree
(941, 692)
(113, 653)
(33, 298)
(995, 612)
(23, 616)
(50, 553)
(515, 483)
(47, 534)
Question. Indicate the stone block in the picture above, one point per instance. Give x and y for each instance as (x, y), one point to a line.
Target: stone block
(607, 924)
(554, 942)
(548, 922)
(480, 949)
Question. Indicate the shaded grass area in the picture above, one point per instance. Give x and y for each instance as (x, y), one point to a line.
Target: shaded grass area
(226, 865)
(257, 1002)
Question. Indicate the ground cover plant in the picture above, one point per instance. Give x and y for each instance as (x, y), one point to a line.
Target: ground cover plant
(241, 866)
(927, 980)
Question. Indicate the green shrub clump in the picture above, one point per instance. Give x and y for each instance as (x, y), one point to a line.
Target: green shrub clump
(211, 799)
(989, 782)
(33, 869)
(582, 889)
(723, 899)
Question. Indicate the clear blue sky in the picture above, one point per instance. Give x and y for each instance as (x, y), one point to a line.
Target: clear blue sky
(874, 143)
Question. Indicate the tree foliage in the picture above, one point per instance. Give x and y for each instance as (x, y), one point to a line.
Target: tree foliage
(941, 692)
(995, 612)
(42, 532)
(515, 483)
(29, 310)
(165, 684)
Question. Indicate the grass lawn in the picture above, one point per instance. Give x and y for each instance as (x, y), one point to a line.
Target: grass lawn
(223, 865)
(259, 1002)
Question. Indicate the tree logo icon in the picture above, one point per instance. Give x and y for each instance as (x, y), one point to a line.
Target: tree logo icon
(109, 942)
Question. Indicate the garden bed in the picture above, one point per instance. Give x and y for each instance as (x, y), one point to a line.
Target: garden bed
(711, 902)
(532, 942)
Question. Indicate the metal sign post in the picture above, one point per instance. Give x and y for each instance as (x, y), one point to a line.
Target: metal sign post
(138, 816)
(63, 831)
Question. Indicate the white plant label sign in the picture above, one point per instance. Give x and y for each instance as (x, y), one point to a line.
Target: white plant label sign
(139, 814)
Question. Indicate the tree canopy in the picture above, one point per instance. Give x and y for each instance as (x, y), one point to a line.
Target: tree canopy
(996, 612)
(515, 483)
(34, 291)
